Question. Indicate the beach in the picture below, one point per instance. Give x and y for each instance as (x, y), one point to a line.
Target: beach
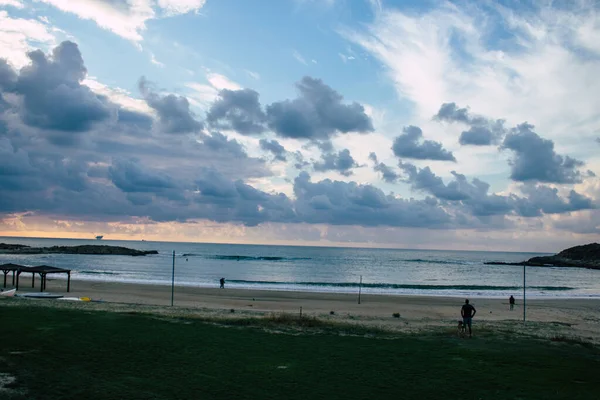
(546, 318)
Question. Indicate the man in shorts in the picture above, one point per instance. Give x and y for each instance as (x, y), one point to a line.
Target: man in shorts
(468, 312)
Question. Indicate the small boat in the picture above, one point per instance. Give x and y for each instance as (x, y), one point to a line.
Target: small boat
(8, 293)
(99, 237)
(40, 295)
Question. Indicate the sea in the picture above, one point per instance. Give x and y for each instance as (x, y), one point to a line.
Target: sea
(318, 269)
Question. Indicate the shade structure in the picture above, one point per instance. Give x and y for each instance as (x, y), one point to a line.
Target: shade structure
(6, 268)
(44, 270)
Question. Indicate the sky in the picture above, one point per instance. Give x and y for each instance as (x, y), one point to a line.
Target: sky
(370, 123)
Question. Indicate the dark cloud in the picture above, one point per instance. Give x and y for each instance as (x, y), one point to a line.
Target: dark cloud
(317, 114)
(220, 143)
(482, 131)
(225, 200)
(341, 162)
(8, 77)
(409, 145)
(598, 140)
(348, 203)
(173, 111)
(301, 163)
(238, 110)
(475, 196)
(275, 148)
(130, 176)
(387, 173)
(535, 158)
(482, 135)
(52, 94)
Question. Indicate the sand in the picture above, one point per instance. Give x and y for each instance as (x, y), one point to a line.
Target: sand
(570, 318)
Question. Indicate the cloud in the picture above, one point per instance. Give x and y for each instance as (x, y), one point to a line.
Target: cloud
(131, 176)
(387, 173)
(482, 131)
(17, 35)
(176, 7)
(299, 57)
(407, 146)
(317, 114)
(52, 94)
(252, 74)
(12, 3)
(535, 158)
(341, 162)
(449, 52)
(126, 19)
(275, 148)
(476, 198)
(237, 110)
(349, 203)
(220, 143)
(173, 111)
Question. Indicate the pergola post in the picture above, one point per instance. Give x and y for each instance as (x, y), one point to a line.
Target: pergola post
(18, 274)
(5, 272)
(14, 277)
(32, 279)
(69, 281)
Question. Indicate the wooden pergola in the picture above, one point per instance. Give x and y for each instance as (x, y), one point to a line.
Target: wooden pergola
(44, 270)
(6, 268)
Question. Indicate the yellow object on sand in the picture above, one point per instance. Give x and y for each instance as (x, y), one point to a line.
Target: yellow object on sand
(85, 299)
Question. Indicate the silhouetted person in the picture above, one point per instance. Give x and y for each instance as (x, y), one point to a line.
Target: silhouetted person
(222, 283)
(468, 312)
(511, 301)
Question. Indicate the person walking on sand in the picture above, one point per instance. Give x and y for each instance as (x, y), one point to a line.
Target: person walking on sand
(468, 312)
(511, 301)
(222, 283)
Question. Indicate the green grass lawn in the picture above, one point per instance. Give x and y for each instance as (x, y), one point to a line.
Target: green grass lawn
(70, 354)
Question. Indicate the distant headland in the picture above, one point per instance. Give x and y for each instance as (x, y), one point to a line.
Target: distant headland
(84, 249)
(585, 256)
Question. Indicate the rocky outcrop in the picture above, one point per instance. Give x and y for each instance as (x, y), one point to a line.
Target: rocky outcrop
(84, 249)
(585, 256)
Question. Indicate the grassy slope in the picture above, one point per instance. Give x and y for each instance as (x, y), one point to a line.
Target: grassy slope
(98, 355)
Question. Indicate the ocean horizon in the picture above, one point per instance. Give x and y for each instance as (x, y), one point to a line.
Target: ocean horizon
(456, 273)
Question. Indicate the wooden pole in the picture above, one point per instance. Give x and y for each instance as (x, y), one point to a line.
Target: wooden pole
(300, 312)
(5, 277)
(173, 280)
(69, 281)
(359, 289)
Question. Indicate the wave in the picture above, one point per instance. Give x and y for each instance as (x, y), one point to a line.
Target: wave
(404, 286)
(98, 273)
(243, 258)
(420, 260)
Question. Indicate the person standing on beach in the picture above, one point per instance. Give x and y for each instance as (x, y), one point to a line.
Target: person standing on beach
(511, 301)
(468, 312)
(222, 283)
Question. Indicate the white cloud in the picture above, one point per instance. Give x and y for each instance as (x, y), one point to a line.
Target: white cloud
(299, 57)
(154, 61)
(175, 7)
(12, 3)
(117, 95)
(126, 19)
(252, 74)
(204, 94)
(538, 76)
(17, 36)
(220, 82)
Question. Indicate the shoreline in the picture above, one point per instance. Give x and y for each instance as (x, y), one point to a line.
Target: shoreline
(366, 291)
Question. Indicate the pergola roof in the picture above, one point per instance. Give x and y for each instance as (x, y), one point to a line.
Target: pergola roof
(11, 267)
(45, 269)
